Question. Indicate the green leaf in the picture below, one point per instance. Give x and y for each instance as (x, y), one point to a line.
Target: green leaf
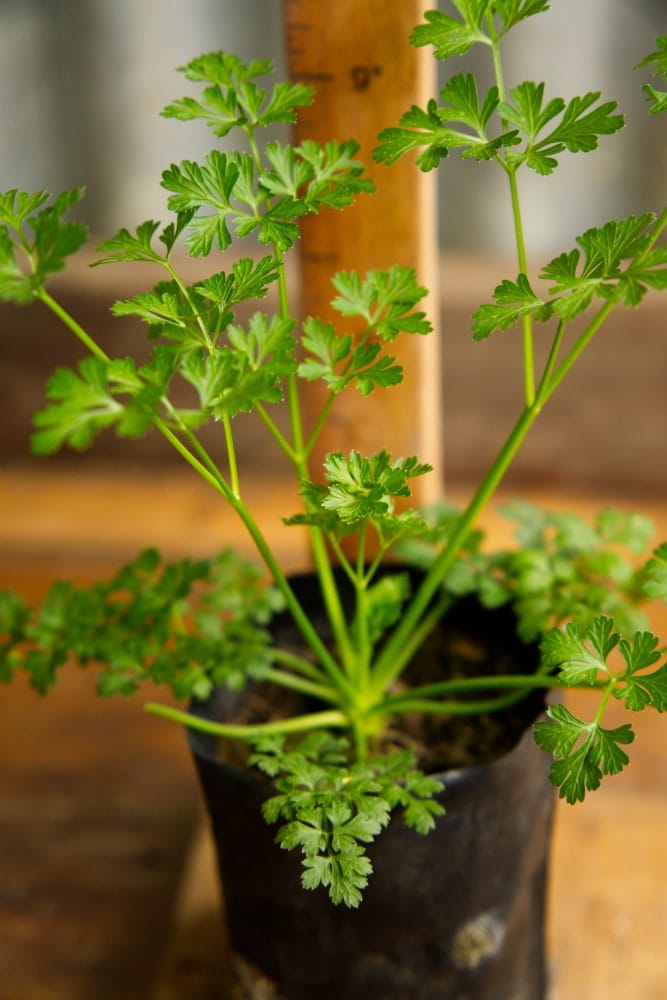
(642, 689)
(658, 62)
(327, 349)
(189, 625)
(370, 369)
(233, 99)
(581, 122)
(16, 206)
(584, 752)
(266, 344)
(330, 809)
(86, 401)
(656, 574)
(513, 301)
(126, 246)
(384, 299)
(579, 652)
(438, 128)
(625, 528)
(206, 190)
(364, 488)
(453, 36)
(53, 240)
(227, 381)
(513, 11)
(337, 177)
(165, 311)
(576, 281)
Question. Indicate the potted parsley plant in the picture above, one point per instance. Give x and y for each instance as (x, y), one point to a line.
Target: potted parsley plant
(346, 692)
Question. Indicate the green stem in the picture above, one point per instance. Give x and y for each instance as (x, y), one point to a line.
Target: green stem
(304, 667)
(423, 706)
(392, 659)
(543, 389)
(295, 724)
(303, 686)
(548, 387)
(276, 433)
(525, 682)
(231, 456)
(321, 558)
(527, 322)
(188, 298)
(71, 324)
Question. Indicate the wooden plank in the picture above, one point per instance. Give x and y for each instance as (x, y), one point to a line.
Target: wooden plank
(366, 75)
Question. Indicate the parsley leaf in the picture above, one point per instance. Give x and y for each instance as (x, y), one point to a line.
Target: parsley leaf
(584, 752)
(330, 809)
(513, 300)
(642, 689)
(655, 585)
(432, 128)
(190, 625)
(580, 652)
(600, 272)
(233, 99)
(364, 488)
(581, 123)
(385, 300)
(658, 62)
(86, 401)
(26, 262)
(451, 36)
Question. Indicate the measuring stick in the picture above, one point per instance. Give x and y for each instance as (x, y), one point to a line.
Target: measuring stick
(355, 53)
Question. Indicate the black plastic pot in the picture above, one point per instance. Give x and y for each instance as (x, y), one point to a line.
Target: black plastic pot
(456, 915)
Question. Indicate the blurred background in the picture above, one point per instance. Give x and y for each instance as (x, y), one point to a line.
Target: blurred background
(82, 83)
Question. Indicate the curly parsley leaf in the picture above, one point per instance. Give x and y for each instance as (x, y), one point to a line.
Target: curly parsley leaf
(329, 809)
(206, 190)
(138, 246)
(326, 349)
(189, 624)
(452, 36)
(364, 488)
(315, 175)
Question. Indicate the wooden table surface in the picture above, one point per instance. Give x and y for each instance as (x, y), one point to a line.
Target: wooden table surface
(107, 887)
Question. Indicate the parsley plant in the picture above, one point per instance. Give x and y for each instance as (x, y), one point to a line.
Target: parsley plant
(195, 625)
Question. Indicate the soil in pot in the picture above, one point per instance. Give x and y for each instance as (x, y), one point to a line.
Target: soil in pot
(455, 915)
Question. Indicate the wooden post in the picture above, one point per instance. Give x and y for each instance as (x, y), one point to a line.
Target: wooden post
(356, 55)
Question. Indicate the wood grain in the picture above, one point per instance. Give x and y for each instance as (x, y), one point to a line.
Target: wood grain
(365, 77)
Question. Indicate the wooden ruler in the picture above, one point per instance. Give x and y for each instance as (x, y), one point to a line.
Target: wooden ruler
(356, 55)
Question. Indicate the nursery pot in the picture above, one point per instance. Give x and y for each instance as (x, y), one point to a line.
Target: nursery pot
(457, 914)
